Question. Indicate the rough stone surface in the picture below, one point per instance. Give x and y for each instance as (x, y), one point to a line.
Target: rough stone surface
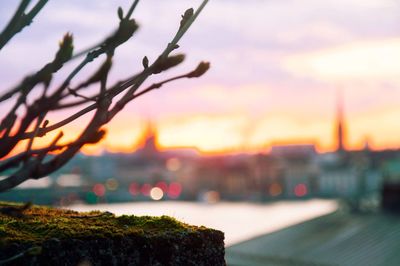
(196, 248)
(144, 244)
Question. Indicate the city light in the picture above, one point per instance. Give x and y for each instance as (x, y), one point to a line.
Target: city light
(145, 189)
(163, 186)
(99, 190)
(300, 190)
(174, 190)
(91, 197)
(211, 197)
(69, 180)
(133, 189)
(275, 190)
(156, 193)
(173, 164)
(112, 184)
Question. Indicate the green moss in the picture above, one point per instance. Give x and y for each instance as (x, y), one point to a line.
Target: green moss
(43, 223)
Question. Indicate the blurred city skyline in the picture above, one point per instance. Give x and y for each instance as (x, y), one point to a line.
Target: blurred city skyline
(277, 67)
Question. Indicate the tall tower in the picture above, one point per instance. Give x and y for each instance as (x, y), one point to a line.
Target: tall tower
(150, 146)
(340, 130)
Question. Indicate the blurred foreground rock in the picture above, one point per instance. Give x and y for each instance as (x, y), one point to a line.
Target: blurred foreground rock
(64, 237)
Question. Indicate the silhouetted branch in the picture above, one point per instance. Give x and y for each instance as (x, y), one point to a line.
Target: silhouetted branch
(198, 72)
(20, 20)
(35, 132)
(131, 9)
(14, 161)
(11, 28)
(30, 163)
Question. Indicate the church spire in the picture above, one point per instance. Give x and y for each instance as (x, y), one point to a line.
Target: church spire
(150, 138)
(340, 131)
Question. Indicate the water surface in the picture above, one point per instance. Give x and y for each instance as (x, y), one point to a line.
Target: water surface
(239, 221)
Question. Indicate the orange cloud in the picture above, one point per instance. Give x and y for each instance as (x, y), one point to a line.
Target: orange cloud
(284, 128)
(379, 126)
(206, 133)
(237, 132)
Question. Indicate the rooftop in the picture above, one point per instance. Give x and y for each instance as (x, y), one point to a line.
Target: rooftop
(335, 239)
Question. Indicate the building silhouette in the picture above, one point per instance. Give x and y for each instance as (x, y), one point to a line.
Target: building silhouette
(149, 149)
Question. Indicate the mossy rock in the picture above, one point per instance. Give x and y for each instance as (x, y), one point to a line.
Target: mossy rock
(49, 236)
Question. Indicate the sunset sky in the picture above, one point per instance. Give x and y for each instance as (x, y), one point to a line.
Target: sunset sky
(277, 67)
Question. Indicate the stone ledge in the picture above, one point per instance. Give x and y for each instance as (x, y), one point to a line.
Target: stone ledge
(67, 237)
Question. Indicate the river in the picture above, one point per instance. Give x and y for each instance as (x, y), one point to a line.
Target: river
(239, 221)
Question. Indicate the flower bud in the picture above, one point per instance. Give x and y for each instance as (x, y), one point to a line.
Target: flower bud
(200, 70)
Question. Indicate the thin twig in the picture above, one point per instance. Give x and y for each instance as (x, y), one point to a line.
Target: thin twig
(36, 166)
(52, 145)
(39, 121)
(170, 47)
(20, 20)
(133, 82)
(11, 29)
(15, 160)
(131, 9)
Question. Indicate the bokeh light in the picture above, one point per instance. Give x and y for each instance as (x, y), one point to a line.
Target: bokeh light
(134, 189)
(275, 189)
(211, 197)
(173, 164)
(99, 190)
(112, 184)
(300, 190)
(145, 189)
(156, 193)
(163, 186)
(174, 190)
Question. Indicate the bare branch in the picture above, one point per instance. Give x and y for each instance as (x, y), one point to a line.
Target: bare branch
(97, 76)
(39, 121)
(30, 164)
(20, 20)
(199, 71)
(11, 28)
(18, 177)
(131, 9)
(44, 75)
(19, 158)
